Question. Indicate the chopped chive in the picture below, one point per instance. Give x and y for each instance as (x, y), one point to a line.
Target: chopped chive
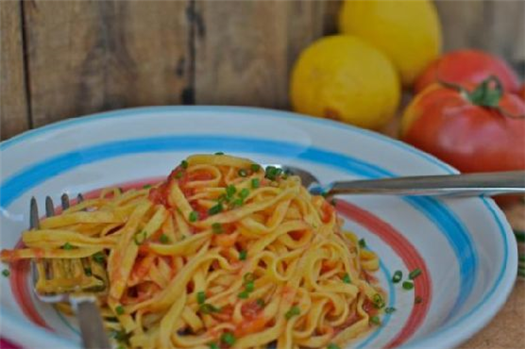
(217, 228)
(244, 193)
(179, 175)
(379, 303)
(390, 310)
(88, 272)
(119, 310)
(6, 272)
(194, 216)
(407, 285)
(333, 201)
(375, 320)
(223, 198)
(414, 273)
(362, 243)
(249, 286)
(228, 338)
(219, 153)
(230, 190)
(332, 346)
(120, 336)
(208, 308)
(146, 186)
(213, 345)
(294, 311)
(243, 295)
(140, 237)
(256, 183)
(242, 173)
(272, 173)
(347, 279)
(164, 239)
(216, 209)
(398, 276)
(243, 254)
(237, 203)
(418, 300)
(184, 164)
(99, 257)
(260, 302)
(248, 277)
(67, 246)
(201, 297)
(255, 167)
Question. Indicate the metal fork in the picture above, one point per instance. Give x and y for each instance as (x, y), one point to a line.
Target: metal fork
(480, 184)
(81, 300)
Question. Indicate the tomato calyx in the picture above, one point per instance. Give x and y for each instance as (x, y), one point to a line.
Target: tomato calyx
(487, 94)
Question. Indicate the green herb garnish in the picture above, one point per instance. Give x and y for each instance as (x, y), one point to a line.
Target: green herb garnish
(294, 311)
(244, 193)
(375, 320)
(390, 310)
(398, 276)
(216, 209)
(243, 295)
(414, 273)
(119, 310)
(194, 216)
(407, 285)
(230, 190)
(243, 254)
(217, 228)
(201, 297)
(228, 338)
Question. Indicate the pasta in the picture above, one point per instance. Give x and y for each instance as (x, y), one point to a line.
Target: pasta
(223, 253)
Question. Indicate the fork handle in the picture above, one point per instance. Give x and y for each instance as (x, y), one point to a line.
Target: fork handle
(91, 327)
(486, 184)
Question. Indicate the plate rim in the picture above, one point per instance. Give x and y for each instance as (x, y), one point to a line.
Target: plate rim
(438, 338)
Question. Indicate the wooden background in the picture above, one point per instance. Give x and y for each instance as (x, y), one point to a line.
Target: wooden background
(61, 59)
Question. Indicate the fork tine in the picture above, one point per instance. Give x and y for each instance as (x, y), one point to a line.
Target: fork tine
(50, 207)
(65, 201)
(34, 221)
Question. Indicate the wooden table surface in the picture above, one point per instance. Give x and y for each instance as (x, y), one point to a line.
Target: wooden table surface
(507, 329)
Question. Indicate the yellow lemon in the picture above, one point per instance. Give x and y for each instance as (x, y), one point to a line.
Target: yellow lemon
(407, 31)
(344, 78)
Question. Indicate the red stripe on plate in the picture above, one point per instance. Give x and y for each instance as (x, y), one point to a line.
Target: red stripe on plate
(21, 291)
(410, 256)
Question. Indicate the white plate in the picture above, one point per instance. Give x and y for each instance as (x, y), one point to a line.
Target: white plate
(464, 246)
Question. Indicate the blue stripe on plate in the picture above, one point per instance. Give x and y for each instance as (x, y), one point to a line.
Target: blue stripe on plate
(449, 225)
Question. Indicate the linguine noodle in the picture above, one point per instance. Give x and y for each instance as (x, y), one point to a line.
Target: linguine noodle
(221, 254)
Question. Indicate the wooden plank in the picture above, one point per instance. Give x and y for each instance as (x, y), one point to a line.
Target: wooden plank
(491, 25)
(13, 99)
(88, 56)
(244, 49)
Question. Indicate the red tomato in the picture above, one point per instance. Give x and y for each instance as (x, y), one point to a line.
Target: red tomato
(459, 128)
(521, 93)
(468, 67)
